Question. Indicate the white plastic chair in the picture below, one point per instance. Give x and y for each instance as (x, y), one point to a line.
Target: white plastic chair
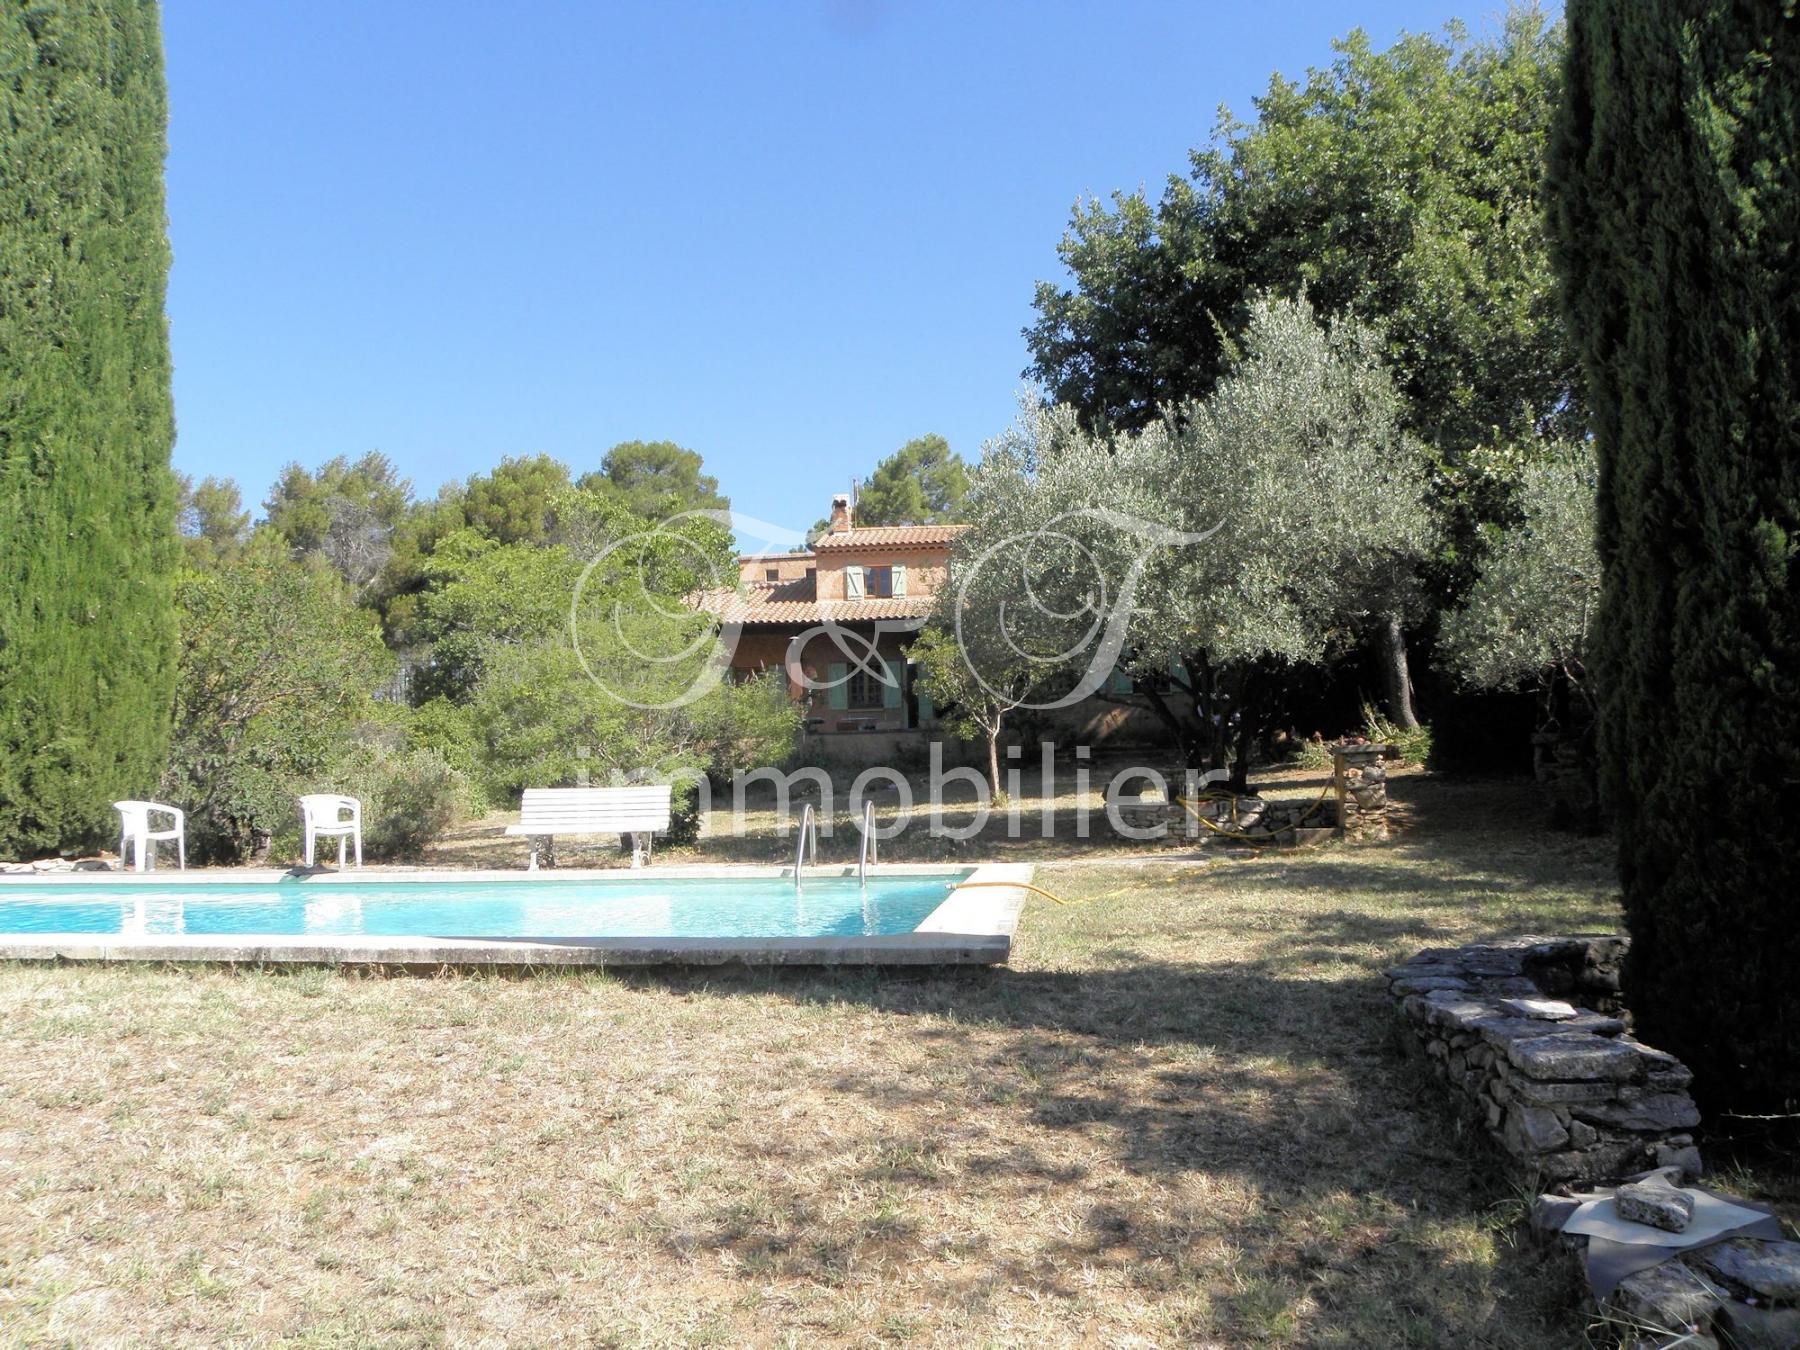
(134, 829)
(322, 815)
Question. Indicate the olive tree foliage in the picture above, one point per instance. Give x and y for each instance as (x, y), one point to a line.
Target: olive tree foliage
(1401, 186)
(1528, 617)
(1220, 547)
(975, 673)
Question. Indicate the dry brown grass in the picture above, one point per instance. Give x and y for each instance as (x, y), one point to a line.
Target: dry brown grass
(1179, 1118)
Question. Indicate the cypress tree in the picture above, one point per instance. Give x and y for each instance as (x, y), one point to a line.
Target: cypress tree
(87, 499)
(1675, 191)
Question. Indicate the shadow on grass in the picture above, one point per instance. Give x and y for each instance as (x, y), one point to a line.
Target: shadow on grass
(1339, 1164)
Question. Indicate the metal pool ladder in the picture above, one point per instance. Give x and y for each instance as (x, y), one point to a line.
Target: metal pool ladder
(809, 833)
(868, 845)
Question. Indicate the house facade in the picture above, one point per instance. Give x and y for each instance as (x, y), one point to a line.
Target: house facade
(838, 620)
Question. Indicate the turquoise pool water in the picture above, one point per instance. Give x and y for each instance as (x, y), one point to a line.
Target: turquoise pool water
(633, 906)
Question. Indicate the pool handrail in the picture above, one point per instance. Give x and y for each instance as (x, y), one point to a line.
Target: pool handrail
(809, 830)
(868, 845)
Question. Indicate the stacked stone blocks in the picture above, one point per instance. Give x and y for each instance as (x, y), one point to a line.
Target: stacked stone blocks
(1525, 1034)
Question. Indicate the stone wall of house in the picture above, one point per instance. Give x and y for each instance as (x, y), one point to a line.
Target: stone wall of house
(1525, 1034)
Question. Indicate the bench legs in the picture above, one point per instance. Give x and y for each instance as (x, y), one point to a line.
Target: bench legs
(543, 846)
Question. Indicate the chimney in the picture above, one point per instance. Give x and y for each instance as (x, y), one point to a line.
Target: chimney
(840, 513)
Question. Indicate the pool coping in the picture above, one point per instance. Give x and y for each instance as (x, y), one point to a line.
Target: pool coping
(973, 926)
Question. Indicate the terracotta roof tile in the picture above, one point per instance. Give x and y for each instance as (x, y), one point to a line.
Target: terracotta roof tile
(792, 602)
(889, 536)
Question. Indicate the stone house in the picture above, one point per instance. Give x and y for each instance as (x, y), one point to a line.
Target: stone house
(839, 618)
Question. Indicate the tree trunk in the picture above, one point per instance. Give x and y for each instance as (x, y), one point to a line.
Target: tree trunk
(1186, 734)
(994, 762)
(1396, 675)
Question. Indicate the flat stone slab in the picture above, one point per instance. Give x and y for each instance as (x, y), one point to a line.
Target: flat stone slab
(1669, 1297)
(1574, 1055)
(1561, 1095)
(1425, 984)
(1659, 1111)
(1547, 1009)
(1769, 1269)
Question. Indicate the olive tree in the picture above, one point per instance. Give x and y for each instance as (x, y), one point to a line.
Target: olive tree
(1528, 617)
(1216, 550)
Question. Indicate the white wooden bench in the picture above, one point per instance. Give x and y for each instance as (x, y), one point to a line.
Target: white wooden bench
(634, 811)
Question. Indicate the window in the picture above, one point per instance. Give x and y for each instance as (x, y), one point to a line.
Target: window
(878, 582)
(865, 690)
(771, 574)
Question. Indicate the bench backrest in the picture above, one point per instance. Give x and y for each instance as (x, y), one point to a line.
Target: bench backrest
(599, 810)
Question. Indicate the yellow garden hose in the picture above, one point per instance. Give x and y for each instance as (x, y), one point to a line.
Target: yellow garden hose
(1039, 890)
(1048, 895)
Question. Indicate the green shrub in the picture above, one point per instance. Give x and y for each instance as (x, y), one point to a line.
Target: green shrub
(410, 798)
(449, 729)
(1414, 743)
(1314, 755)
(275, 676)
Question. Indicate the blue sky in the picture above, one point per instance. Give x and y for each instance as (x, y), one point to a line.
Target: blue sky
(788, 236)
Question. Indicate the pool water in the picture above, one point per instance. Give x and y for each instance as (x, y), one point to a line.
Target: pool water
(630, 907)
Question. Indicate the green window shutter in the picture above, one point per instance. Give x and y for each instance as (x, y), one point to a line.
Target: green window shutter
(899, 581)
(927, 709)
(1119, 682)
(838, 673)
(890, 692)
(853, 583)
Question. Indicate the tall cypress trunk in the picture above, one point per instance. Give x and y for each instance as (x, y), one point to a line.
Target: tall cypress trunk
(1676, 212)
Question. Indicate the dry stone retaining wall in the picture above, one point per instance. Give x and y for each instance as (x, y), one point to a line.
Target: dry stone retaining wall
(1525, 1034)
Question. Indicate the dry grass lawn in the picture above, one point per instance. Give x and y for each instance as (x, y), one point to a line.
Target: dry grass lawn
(1179, 1118)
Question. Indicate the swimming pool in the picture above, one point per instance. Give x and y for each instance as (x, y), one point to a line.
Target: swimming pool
(678, 914)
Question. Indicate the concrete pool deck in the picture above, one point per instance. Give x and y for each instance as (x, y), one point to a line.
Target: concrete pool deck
(973, 926)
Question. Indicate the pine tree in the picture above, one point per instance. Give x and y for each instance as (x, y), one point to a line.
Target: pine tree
(87, 499)
(1676, 204)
